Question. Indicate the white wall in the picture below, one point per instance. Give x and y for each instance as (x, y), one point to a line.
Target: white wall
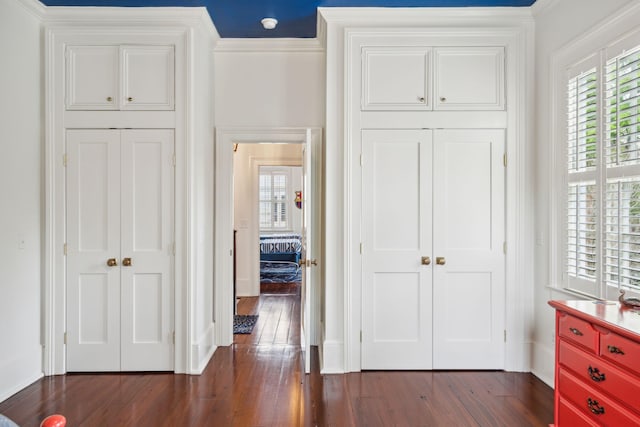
(259, 84)
(21, 197)
(557, 24)
(246, 161)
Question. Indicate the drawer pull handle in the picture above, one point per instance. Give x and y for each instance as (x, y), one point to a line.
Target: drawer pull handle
(615, 350)
(595, 374)
(594, 406)
(575, 331)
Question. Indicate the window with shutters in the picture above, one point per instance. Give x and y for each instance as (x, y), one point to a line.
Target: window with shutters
(602, 248)
(273, 198)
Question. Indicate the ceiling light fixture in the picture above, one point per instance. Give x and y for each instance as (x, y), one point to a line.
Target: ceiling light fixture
(269, 23)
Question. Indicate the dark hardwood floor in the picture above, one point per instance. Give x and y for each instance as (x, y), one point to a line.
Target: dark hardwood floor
(258, 382)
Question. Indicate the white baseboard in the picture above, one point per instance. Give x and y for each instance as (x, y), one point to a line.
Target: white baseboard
(5, 394)
(203, 350)
(332, 357)
(543, 363)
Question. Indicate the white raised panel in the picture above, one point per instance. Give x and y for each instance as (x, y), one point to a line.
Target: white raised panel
(469, 78)
(93, 313)
(396, 195)
(147, 81)
(147, 308)
(92, 78)
(395, 78)
(396, 230)
(398, 294)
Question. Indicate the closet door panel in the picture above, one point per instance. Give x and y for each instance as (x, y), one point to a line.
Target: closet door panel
(93, 238)
(147, 242)
(469, 288)
(396, 323)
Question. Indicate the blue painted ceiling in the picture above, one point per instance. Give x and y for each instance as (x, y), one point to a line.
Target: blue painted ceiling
(296, 18)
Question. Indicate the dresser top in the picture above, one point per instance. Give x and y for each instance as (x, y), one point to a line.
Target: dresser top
(608, 314)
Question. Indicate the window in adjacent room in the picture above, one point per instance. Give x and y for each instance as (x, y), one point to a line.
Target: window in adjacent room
(602, 210)
(274, 201)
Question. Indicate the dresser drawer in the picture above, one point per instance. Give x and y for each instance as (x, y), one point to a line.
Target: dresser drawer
(569, 416)
(622, 351)
(578, 331)
(597, 407)
(602, 376)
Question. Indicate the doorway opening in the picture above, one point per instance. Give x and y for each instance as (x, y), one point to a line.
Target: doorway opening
(309, 141)
(267, 226)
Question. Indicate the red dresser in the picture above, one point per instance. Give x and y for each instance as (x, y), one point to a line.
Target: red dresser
(597, 376)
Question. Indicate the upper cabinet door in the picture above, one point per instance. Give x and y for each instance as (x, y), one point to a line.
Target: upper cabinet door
(120, 78)
(92, 78)
(147, 78)
(469, 78)
(396, 78)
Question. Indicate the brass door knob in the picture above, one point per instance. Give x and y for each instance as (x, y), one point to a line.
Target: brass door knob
(314, 262)
(109, 99)
(126, 262)
(112, 262)
(440, 260)
(426, 260)
(421, 98)
(443, 99)
(129, 99)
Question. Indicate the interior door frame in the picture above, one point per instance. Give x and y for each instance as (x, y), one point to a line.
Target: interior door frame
(226, 138)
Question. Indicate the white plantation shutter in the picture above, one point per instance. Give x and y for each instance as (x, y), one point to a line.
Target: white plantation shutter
(603, 175)
(582, 126)
(274, 198)
(582, 190)
(622, 153)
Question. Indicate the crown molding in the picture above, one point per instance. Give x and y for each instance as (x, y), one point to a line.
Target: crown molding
(34, 7)
(267, 45)
(130, 16)
(422, 16)
(543, 6)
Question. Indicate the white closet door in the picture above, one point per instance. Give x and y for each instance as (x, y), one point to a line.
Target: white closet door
(469, 223)
(93, 237)
(147, 246)
(396, 228)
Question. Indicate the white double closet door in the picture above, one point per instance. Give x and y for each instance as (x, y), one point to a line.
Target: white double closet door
(433, 286)
(120, 243)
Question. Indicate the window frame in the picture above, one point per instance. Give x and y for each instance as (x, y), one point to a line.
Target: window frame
(596, 48)
(285, 171)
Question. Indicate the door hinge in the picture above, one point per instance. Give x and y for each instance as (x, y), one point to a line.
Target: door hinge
(504, 159)
(65, 337)
(360, 336)
(64, 160)
(65, 249)
(174, 249)
(174, 337)
(361, 247)
(361, 162)
(505, 335)
(173, 160)
(504, 247)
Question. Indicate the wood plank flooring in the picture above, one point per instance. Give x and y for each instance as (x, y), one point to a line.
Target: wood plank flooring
(258, 382)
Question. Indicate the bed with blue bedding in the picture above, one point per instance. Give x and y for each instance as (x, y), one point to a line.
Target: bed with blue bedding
(279, 257)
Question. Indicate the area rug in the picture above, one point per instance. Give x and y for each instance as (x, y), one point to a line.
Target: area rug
(244, 323)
